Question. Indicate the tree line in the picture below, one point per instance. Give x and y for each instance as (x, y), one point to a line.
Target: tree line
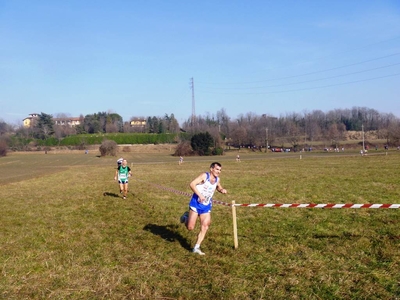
(44, 126)
(297, 129)
(250, 129)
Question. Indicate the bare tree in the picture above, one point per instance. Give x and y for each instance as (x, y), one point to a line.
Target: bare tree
(394, 133)
(333, 134)
(223, 121)
(111, 128)
(293, 133)
(238, 134)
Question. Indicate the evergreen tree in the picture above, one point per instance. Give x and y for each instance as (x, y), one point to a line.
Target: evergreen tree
(44, 127)
(202, 142)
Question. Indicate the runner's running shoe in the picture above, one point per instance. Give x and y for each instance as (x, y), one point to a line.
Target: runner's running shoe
(198, 251)
(184, 217)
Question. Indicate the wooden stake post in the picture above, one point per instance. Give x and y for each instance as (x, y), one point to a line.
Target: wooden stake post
(235, 236)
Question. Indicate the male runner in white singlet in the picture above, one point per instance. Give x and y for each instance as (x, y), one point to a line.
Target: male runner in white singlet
(200, 205)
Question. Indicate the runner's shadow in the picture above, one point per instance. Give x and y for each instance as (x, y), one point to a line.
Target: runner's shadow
(110, 194)
(168, 233)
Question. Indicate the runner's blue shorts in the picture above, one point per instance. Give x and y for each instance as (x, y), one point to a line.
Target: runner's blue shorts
(199, 208)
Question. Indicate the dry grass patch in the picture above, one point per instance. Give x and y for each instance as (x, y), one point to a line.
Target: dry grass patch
(69, 234)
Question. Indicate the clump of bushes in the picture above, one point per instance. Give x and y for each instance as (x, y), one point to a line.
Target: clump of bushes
(218, 151)
(184, 149)
(108, 147)
(201, 143)
(3, 148)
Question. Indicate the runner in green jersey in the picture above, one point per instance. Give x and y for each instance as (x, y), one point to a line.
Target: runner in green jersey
(122, 173)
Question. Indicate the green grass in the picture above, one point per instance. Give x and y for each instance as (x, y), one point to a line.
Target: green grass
(67, 234)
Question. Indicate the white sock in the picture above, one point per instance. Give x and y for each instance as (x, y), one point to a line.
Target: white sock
(197, 246)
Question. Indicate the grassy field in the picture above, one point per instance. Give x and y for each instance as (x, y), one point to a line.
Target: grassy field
(66, 233)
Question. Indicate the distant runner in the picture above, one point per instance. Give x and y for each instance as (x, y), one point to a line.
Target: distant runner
(122, 173)
(119, 161)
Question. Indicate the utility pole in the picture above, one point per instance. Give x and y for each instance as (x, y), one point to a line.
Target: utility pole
(193, 102)
(362, 127)
(266, 140)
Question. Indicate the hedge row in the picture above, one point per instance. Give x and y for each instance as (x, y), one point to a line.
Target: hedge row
(119, 138)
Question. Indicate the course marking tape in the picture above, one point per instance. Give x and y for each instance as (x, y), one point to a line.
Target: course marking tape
(314, 205)
(281, 205)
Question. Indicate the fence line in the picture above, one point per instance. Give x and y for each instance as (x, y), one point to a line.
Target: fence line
(270, 205)
(281, 205)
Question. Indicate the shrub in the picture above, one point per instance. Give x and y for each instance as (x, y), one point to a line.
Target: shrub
(3, 148)
(218, 151)
(108, 147)
(202, 142)
(184, 149)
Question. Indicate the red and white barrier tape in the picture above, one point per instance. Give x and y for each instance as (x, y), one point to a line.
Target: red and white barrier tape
(329, 205)
(281, 205)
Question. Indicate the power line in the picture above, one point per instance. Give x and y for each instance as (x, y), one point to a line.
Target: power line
(312, 88)
(310, 73)
(306, 81)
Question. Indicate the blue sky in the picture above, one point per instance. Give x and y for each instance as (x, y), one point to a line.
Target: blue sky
(136, 58)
